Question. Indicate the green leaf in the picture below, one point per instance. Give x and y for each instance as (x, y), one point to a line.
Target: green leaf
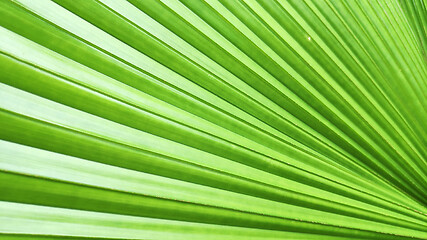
(215, 119)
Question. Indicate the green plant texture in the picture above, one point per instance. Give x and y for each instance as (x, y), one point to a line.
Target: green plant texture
(213, 119)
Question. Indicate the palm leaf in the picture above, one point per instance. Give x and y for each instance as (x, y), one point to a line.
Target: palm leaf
(213, 119)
